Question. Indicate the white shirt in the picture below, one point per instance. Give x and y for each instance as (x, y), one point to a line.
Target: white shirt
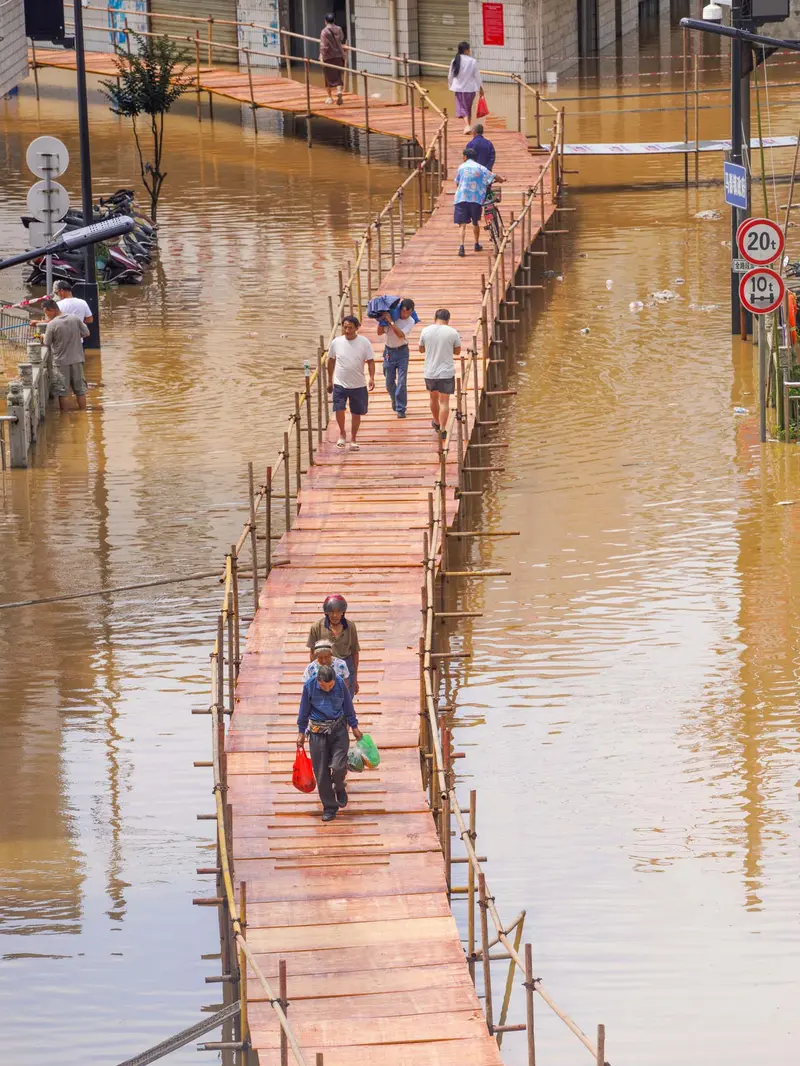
(439, 341)
(73, 305)
(390, 337)
(350, 357)
(468, 79)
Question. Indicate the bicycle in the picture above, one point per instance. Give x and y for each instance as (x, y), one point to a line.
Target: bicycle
(492, 218)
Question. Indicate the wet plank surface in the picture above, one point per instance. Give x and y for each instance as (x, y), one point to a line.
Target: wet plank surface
(358, 907)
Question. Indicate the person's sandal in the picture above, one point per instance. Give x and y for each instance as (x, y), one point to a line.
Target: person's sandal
(341, 442)
(354, 447)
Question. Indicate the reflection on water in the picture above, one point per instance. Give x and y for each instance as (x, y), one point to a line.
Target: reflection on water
(633, 689)
(631, 702)
(100, 839)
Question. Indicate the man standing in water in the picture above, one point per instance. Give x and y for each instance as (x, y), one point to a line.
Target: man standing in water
(64, 337)
(326, 710)
(346, 358)
(440, 343)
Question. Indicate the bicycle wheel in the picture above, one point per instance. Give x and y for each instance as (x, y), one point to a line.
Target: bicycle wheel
(493, 225)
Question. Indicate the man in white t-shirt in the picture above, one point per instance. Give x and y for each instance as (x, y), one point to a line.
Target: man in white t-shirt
(440, 343)
(395, 354)
(346, 358)
(72, 305)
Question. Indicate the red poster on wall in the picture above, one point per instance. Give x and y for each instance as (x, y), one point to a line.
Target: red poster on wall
(494, 31)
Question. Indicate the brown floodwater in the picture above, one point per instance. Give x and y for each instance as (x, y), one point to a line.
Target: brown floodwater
(630, 710)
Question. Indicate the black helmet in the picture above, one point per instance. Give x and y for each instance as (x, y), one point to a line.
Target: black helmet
(334, 603)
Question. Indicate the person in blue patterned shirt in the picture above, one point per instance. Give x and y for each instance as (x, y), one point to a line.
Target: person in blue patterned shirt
(472, 181)
(323, 656)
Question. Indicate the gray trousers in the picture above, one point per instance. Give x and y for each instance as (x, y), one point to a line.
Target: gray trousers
(328, 753)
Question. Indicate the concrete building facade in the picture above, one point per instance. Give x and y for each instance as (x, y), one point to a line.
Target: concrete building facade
(13, 45)
(525, 37)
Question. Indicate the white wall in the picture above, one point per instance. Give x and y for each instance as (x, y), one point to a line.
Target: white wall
(13, 47)
(372, 33)
(104, 40)
(263, 13)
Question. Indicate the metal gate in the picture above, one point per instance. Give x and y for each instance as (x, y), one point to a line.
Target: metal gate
(442, 25)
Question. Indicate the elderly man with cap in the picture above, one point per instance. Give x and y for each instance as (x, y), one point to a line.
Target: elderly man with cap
(326, 711)
(323, 656)
(341, 633)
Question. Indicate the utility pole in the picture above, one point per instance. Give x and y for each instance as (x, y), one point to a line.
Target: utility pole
(89, 287)
(737, 48)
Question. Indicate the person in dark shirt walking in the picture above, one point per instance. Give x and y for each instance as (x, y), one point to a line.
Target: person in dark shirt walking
(326, 711)
(482, 147)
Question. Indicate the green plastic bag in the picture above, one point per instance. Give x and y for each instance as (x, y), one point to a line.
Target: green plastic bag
(369, 751)
(355, 761)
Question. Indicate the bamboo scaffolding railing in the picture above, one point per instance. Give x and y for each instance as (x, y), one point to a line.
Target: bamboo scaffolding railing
(284, 55)
(473, 392)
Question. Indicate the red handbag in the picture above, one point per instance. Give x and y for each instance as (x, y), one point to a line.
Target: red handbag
(483, 107)
(303, 772)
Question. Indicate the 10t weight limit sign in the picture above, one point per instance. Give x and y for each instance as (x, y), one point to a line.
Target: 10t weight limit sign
(761, 290)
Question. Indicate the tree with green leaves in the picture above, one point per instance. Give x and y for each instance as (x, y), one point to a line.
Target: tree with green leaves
(148, 83)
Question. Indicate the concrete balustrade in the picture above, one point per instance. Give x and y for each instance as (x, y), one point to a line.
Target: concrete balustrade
(27, 400)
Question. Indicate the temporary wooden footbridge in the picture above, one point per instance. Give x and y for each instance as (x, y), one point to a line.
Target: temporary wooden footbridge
(338, 941)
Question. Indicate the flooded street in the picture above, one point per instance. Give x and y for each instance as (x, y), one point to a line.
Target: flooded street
(100, 839)
(629, 713)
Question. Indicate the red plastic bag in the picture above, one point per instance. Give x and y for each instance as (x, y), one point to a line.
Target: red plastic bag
(483, 107)
(303, 772)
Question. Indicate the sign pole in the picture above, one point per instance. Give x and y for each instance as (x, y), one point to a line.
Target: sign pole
(48, 221)
(762, 377)
(89, 287)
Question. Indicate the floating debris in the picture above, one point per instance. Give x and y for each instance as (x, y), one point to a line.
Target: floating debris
(635, 306)
(585, 330)
(708, 216)
(704, 308)
(609, 284)
(680, 281)
(740, 411)
(664, 296)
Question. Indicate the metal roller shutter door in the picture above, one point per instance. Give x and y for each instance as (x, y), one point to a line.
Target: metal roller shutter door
(218, 9)
(442, 25)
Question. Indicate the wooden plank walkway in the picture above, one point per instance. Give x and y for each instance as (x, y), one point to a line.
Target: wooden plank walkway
(358, 908)
(275, 93)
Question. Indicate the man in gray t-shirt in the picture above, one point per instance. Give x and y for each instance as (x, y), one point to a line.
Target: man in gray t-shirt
(64, 337)
(440, 343)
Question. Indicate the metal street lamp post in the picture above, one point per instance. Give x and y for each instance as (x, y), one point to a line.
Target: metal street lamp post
(89, 287)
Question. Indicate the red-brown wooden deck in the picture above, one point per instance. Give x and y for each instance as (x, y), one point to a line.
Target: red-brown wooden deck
(358, 907)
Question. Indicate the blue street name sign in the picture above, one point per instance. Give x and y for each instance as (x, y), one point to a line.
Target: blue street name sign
(735, 177)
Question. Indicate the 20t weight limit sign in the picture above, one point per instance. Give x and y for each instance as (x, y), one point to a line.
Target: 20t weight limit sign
(761, 290)
(760, 241)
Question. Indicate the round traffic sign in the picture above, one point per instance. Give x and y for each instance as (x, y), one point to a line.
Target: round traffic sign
(37, 232)
(760, 240)
(761, 290)
(47, 153)
(44, 204)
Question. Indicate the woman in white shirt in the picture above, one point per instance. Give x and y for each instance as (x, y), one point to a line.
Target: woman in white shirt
(464, 80)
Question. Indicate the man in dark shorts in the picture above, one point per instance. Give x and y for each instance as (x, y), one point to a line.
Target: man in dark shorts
(346, 358)
(472, 180)
(440, 343)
